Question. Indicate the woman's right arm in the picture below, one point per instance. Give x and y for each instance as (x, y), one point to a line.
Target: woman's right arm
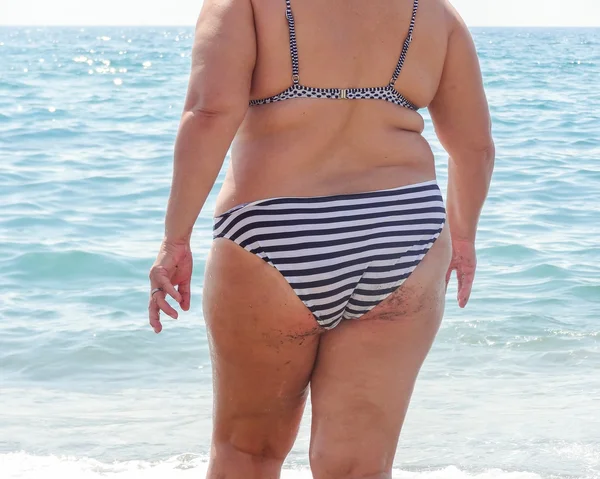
(217, 99)
(223, 60)
(462, 122)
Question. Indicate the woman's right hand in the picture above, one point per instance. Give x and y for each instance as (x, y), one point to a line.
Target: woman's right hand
(464, 262)
(173, 267)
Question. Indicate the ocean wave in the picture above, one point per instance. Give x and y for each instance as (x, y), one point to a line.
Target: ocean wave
(21, 465)
(72, 265)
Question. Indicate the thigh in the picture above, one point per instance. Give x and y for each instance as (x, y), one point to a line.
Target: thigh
(263, 342)
(366, 370)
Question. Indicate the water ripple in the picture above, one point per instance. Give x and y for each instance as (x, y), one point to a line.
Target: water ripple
(87, 122)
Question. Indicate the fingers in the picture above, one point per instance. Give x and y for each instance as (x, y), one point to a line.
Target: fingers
(465, 277)
(464, 262)
(160, 276)
(161, 301)
(169, 289)
(157, 304)
(167, 277)
(465, 285)
(186, 295)
(154, 315)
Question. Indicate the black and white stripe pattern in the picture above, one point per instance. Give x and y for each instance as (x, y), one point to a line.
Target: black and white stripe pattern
(293, 45)
(406, 44)
(341, 254)
(297, 90)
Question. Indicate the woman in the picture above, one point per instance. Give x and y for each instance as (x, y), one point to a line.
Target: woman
(332, 251)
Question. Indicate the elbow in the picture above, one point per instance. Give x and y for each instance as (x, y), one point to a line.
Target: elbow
(484, 149)
(482, 152)
(481, 158)
(489, 157)
(207, 115)
(210, 121)
(211, 106)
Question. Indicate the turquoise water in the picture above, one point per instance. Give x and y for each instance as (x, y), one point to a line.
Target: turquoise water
(88, 116)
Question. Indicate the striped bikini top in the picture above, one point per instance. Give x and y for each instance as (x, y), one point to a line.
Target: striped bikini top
(297, 90)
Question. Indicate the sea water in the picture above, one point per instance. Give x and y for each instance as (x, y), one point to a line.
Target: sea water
(88, 116)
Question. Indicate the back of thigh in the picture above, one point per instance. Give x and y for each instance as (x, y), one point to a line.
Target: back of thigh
(263, 343)
(366, 371)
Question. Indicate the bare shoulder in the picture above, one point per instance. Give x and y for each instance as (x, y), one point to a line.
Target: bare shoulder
(452, 18)
(460, 41)
(216, 10)
(459, 109)
(223, 56)
(437, 14)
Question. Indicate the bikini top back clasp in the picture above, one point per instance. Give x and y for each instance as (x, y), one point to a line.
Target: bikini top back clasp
(297, 90)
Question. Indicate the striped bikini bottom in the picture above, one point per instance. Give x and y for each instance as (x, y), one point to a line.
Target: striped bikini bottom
(341, 254)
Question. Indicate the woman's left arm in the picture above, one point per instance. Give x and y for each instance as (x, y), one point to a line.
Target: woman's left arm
(223, 59)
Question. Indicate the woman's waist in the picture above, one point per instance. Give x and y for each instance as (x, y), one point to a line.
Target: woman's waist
(235, 193)
(254, 177)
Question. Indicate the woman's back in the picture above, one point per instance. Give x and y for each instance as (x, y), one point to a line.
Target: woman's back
(345, 44)
(312, 146)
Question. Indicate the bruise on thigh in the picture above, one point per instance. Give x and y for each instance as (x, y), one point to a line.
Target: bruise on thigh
(409, 300)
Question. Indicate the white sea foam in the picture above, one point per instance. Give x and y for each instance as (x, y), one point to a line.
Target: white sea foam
(25, 466)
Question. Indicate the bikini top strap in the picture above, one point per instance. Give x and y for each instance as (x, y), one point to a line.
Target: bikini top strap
(406, 44)
(293, 45)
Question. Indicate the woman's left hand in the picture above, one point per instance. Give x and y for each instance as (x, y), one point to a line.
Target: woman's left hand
(171, 274)
(464, 262)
